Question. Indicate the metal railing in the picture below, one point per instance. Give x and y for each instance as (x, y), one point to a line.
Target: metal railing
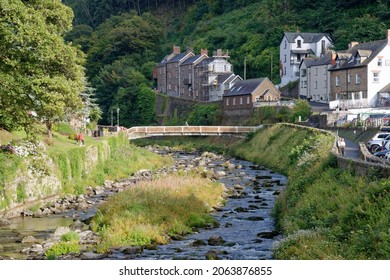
(149, 131)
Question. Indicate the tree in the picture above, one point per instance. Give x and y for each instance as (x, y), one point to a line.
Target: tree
(301, 109)
(40, 74)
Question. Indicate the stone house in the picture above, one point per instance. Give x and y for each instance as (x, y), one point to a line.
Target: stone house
(294, 47)
(245, 94)
(195, 77)
(360, 78)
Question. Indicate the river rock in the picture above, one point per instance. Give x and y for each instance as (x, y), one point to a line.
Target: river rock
(60, 231)
(215, 240)
(99, 190)
(29, 239)
(4, 222)
(92, 256)
(27, 213)
(198, 243)
(268, 234)
(212, 255)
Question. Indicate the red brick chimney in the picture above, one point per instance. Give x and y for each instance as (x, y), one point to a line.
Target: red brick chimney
(333, 59)
(176, 49)
(204, 52)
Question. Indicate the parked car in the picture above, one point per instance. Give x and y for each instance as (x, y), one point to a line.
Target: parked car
(381, 154)
(379, 140)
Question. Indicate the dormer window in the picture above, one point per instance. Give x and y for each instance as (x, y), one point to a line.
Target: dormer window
(299, 44)
(357, 59)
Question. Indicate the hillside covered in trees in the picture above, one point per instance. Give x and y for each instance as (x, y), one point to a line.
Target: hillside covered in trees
(124, 39)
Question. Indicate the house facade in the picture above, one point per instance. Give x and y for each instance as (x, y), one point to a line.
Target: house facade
(244, 94)
(296, 46)
(360, 80)
(196, 77)
(315, 78)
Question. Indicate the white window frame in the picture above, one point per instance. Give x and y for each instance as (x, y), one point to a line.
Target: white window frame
(357, 79)
(337, 81)
(380, 62)
(376, 77)
(240, 100)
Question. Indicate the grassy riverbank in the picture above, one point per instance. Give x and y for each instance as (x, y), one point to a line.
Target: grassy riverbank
(325, 212)
(66, 168)
(152, 212)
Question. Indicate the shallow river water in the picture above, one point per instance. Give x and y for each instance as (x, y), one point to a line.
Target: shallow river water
(246, 226)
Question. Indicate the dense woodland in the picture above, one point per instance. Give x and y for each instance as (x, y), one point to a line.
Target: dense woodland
(121, 41)
(124, 39)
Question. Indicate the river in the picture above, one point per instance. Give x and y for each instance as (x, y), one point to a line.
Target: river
(246, 228)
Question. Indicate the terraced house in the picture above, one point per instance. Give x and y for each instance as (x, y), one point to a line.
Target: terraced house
(360, 77)
(196, 77)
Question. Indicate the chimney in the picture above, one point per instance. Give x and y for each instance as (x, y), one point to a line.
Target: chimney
(352, 44)
(189, 49)
(333, 59)
(204, 52)
(388, 37)
(176, 49)
(219, 52)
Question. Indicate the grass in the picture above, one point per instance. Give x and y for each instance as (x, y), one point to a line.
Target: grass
(152, 212)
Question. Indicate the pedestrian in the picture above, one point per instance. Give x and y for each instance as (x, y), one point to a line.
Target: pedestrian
(77, 138)
(341, 145)
(81, 139)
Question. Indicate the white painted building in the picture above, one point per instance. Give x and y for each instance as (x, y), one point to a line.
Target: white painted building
(296, 46)
(363, 79)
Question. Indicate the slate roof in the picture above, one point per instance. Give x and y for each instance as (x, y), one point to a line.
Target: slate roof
(370, 48)
(325, 60)
(163, 61)
(191, 59)
(307, 37)
(245, 87)
(309, 61)
(386, 89)
(177, 57)
(223, 78)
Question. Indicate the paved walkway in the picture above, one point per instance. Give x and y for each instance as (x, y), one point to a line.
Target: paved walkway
(351, 149)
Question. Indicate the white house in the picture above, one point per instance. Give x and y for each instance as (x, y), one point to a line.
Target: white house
(304, 77)
(361, 80)
(294, 47)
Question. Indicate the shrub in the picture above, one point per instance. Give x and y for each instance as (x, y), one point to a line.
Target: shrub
(62, 248)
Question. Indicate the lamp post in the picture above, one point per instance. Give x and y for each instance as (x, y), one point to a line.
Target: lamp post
(112, 118)
(117, 115)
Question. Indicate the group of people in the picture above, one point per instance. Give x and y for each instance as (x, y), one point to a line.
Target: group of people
(341, 146)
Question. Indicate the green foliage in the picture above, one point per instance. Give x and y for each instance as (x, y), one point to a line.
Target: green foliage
(62, 248)
(204, 114)
(71, 236)
(63, 128)
(40, 73)
(301, 109)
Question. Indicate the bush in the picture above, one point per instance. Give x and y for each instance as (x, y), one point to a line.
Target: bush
(62, 248)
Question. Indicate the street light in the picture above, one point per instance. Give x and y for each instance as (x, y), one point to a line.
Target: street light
(117, 115)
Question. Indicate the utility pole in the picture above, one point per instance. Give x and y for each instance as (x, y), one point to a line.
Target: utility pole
(117, 111)
(271, 67)
(245, 68)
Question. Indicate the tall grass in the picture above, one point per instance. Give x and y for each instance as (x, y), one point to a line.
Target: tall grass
(152, 212)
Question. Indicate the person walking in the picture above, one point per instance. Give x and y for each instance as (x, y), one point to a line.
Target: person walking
(341, 145)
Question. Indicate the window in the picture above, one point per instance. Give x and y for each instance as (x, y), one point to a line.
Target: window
(379, 62)
(284, 73)
(315, 85)
(234, 101)
(299, 57)
(376, 77)
(169, 86)
(240, 100)
(305, 84)
(285, 44)
(349, 78)
(357, 59)
(303, 71)
(299, 42)
(227, 101)
(357, 79)
(248, 100)
(285, 58)
(337, 81)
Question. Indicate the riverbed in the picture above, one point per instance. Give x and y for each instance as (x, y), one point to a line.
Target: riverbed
(245, 231)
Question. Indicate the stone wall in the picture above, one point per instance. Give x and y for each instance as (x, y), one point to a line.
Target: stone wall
(39, 180)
